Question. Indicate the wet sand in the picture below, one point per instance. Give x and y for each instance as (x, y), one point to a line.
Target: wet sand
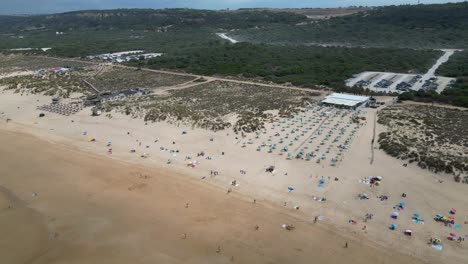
(62, 205)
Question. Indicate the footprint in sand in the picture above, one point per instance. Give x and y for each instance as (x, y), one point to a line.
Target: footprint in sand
(137, 186)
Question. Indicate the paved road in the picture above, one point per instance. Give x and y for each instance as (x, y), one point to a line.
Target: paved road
(224, 36)
(431, 72)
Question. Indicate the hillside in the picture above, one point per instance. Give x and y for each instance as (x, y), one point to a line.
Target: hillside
(280, 49)
(422, 26)
(411, 26)
(146, 19)
(315, 13)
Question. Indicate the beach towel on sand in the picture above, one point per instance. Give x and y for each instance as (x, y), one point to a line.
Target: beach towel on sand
(437, 247)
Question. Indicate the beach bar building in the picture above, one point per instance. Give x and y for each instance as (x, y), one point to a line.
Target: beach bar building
(345, 100)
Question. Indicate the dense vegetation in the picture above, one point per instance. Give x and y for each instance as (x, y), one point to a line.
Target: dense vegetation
(421, 26)
(82, 43)
(300, 65)
(92, 32)
(456, 67)
(145, 19)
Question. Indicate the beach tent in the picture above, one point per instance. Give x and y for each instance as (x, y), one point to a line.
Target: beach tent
(395, 215)
(393, 226)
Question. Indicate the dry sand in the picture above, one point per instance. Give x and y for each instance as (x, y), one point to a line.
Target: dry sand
(110, 212)
(67, 206)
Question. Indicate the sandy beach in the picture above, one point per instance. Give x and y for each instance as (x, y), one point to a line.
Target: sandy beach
(67, 206)
(120, 207)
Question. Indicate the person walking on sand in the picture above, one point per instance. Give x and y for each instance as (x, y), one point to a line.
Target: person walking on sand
(346, 244)
(315, 219)
(218, 250)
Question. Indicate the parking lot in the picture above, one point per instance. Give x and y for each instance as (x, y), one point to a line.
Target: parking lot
(389, 82)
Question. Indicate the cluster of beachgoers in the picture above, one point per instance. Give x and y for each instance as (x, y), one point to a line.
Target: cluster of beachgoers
(315, 134)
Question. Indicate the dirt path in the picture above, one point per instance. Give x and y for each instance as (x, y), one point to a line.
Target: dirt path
(192, 83)
(209, 78)
(373, 138)
(431, 72)
(226, 37)
(91, 86)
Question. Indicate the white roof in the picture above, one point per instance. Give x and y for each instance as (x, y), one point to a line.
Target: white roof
(344, 99)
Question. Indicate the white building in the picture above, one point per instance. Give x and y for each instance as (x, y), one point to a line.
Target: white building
(345, 100)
